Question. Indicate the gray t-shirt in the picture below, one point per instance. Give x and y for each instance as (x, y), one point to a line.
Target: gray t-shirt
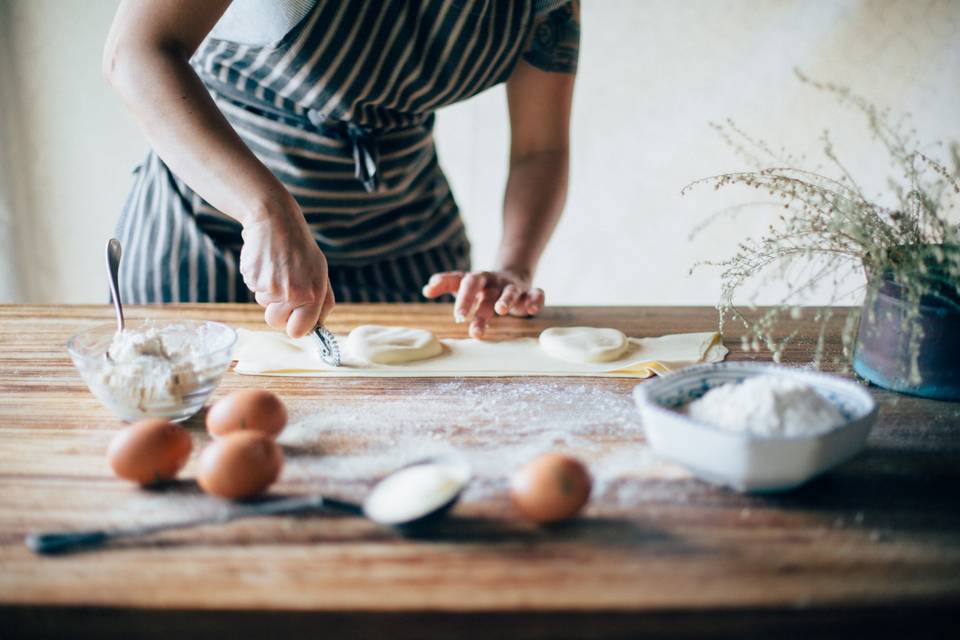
(260, 22)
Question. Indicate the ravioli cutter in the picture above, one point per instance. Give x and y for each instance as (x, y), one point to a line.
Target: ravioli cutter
(327, 346)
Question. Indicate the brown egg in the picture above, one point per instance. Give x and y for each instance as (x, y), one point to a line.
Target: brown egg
(240, 465)
(247, 410)
(550, 488)
(149, 451)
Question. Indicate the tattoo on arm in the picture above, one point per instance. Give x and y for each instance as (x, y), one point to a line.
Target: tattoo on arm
(555, 41)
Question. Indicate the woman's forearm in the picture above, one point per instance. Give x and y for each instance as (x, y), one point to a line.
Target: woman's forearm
(533, 201)
(185, 127)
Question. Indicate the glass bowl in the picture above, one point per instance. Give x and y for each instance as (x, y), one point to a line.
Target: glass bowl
(174, 388)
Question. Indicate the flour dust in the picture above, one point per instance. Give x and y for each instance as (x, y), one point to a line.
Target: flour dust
(496, 426)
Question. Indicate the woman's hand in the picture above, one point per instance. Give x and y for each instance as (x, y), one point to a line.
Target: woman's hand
(481, 294)
(282, 264)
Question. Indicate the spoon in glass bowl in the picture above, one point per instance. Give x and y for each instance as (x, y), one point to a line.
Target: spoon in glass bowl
(114, 252)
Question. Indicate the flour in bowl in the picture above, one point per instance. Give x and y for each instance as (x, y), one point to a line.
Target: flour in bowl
(767, 406)
(131, 345)
(145, 367)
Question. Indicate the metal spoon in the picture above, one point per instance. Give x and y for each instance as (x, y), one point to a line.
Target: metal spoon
(55, 542)
(114, 252)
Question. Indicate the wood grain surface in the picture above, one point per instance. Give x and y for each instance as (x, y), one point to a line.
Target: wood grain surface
(873, 545)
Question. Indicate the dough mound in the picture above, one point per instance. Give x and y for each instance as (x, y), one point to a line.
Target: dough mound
(392, 345)
(584, 344)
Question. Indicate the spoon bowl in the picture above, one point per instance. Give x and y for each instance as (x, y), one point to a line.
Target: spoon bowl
(418, 493)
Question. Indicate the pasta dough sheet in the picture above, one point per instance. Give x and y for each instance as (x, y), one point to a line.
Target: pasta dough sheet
(273, 353)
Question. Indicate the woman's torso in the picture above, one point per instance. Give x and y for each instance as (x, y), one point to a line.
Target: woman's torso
(357, 78)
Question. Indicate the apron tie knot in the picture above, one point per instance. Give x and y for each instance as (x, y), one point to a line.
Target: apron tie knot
(364, 147)
(366, 156)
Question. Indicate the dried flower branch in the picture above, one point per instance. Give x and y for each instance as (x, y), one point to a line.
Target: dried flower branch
(827, 229)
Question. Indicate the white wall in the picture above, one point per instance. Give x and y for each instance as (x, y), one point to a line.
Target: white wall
(653, 73)
(11, 191)
(78, 147)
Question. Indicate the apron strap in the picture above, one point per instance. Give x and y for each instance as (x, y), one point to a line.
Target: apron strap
(366, 156)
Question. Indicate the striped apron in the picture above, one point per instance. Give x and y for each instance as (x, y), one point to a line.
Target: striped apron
(341, 111)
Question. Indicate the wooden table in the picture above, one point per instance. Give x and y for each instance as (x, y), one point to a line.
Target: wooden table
(873, 546)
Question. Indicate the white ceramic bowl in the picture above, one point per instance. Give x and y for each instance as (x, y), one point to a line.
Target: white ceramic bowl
(745, 461)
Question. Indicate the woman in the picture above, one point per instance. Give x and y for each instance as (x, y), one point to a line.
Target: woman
(293, 154)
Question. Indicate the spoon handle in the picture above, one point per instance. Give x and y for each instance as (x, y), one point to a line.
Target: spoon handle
(53, 542)
(58, 542)
(114, 252)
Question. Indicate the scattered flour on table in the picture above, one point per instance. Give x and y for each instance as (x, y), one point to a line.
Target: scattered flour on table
(342, 447)
(767, 406)
(496, 426)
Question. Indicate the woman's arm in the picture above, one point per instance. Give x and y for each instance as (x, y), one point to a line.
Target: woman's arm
(536, 190)
(539, 95)
(146, 59)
